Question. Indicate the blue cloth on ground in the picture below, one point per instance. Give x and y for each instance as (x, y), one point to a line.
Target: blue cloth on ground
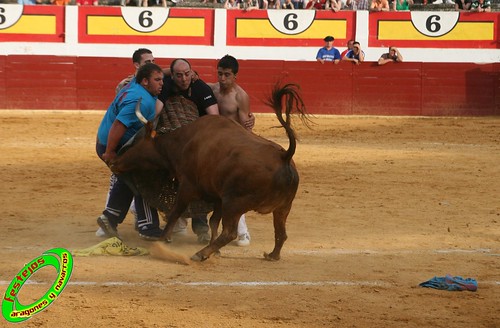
(451, 283)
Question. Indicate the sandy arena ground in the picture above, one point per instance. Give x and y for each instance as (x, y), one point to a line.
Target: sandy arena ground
(384, 204)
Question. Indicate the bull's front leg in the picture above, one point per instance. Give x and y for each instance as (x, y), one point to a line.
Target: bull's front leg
(228, 234)
(215, 221)
(172, 218)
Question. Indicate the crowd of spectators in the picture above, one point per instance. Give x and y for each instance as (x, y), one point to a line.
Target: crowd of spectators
(247, 5)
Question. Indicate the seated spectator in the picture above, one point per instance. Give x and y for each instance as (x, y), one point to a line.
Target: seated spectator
(481, 6)
(231, 4)
(316, 4)
(328, 52)
(356, 55)
(249, 5)
(393, 56)
(462, 5)
(334, 5)
(357, 5)
(350, 43)
(154, 3)
(401, 5)
(29, 2)
(288, 4)
(379, 5)
(273, 4)
(60, 2)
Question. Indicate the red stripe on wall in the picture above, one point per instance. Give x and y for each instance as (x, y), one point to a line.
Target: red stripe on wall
(435, 89)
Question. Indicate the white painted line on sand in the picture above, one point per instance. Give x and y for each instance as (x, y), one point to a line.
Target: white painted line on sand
(231, 283)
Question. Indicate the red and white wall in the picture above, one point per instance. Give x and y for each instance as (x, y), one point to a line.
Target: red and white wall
(72, 57)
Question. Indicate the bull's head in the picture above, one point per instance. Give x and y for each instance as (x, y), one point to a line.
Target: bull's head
(142, 154)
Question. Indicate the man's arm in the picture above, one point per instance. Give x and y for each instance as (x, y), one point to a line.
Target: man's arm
(361, 56)
(116, 132)
(246, 119)
(213, 110)
(399, 57)
(158, 107)
(383, 60)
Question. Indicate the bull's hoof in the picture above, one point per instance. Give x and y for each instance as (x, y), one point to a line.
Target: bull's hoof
(271, 257)
(198, 257)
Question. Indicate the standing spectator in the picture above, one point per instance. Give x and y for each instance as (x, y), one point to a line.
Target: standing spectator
(357, 5)
(379, 5)
(298, 4)
(392, 56)
(350, 43)
(462, 5)
(328, 53)
(401, 5)
(334, 5)
(481, 6)
(356, 55)
(288, 4)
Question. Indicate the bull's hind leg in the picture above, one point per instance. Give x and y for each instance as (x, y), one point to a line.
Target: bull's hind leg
(279, 220)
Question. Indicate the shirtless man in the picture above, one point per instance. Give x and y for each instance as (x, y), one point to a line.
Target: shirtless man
(233, 103)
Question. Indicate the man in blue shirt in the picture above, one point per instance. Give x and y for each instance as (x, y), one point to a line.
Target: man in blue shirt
(119, 124)
(328, 53)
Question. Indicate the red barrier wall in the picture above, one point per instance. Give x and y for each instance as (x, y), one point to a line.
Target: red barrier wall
(434, 89)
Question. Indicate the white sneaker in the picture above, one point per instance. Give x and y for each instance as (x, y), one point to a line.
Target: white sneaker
(180, 226)
(100, 233)
(243, 240)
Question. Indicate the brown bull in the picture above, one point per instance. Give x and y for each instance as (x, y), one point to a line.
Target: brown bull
(216, 160)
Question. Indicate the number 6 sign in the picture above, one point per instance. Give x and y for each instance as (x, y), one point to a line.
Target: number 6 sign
(145, 19)
(291, 22)
(434, 24)
(9, 15)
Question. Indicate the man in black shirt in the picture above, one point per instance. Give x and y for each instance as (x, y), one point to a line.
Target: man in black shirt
(180, 82)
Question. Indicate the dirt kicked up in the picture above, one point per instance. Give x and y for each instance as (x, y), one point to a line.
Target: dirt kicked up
(384, 203)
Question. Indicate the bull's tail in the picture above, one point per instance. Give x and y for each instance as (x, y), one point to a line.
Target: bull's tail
(288, 96)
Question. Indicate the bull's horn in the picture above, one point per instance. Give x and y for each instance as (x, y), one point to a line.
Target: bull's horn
(138, 112)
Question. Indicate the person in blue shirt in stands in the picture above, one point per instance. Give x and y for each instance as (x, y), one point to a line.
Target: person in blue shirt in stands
(328, 53)
(355, 55)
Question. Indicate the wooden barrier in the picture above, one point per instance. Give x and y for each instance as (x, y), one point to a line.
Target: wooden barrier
(430, 89)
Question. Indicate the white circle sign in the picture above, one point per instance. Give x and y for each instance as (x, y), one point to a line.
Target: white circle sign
(434, 24)
(291, 22)
(145, 19)
(9, 15)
